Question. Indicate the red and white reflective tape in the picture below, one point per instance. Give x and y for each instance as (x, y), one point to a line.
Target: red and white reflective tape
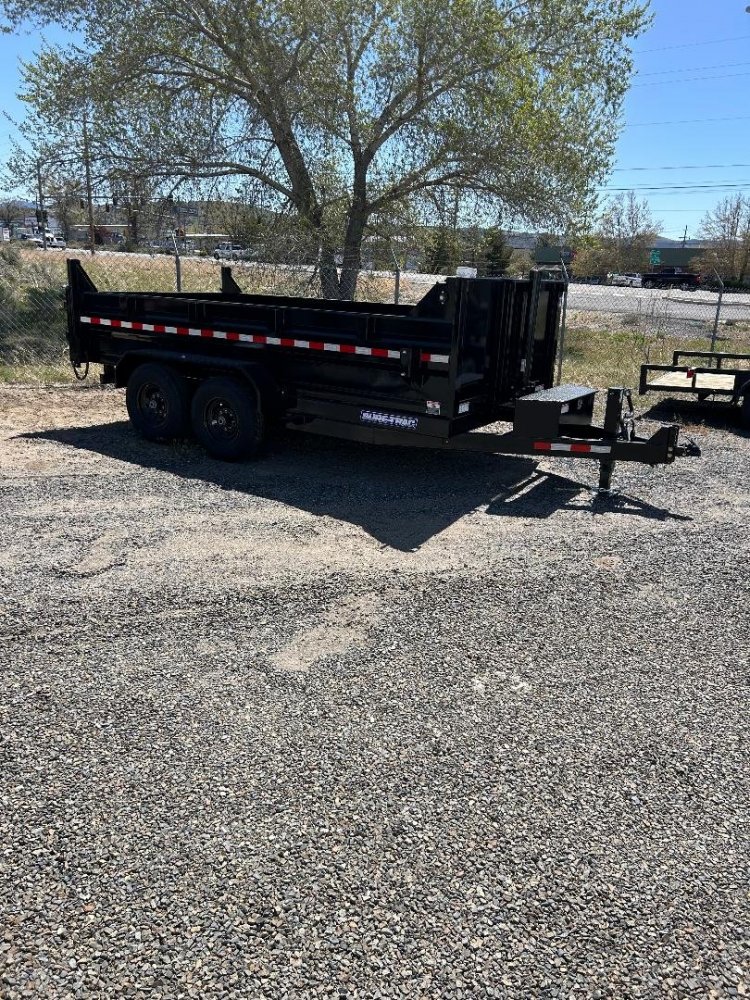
(579, 448)
(257, 338)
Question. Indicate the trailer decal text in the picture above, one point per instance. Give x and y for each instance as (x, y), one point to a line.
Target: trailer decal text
(396, 420)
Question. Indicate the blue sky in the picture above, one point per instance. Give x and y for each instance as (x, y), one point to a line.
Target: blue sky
(686, 118)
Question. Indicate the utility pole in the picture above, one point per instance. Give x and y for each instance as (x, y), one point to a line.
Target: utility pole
(41, 202)
(89, 195)
(684, 238)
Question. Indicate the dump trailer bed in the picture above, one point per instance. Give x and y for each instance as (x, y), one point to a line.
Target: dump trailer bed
(711, 375)
(229, 367)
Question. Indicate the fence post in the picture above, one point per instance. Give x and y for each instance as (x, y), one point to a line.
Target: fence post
(177, 264)
(715, 331)
(397, 267)
(561, 343)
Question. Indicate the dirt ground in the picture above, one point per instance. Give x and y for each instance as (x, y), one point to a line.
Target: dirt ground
(368, 722)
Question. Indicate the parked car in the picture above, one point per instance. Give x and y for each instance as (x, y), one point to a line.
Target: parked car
(672, 277)
(53, 242)
(231, 251)
(628, 280)
(160, 246)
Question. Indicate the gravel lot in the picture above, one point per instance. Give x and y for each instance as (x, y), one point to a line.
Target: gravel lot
(360, 722)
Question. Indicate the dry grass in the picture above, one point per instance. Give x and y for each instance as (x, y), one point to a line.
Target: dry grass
(600, 349)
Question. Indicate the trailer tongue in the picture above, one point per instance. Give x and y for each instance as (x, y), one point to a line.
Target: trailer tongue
(229, 366)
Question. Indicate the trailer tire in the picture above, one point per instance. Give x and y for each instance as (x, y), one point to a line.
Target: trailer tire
(158, 403)
(227, 419)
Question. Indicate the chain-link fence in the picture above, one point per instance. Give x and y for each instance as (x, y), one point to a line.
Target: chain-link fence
(609, 331)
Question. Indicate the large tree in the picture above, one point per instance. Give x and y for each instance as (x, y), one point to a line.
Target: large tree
(11, 211)
(726, 228)
(347, 109)
(627, 231)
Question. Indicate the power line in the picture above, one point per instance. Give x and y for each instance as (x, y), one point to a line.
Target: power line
(690, 45)
(686, 166)
(729, 186)
(690, 79)
(689, 121)
(694, 69)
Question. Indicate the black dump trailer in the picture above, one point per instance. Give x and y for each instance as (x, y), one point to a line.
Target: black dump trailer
(228, 367)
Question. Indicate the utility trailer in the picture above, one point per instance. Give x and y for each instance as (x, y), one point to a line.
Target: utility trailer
(228, 367)
(705, 374)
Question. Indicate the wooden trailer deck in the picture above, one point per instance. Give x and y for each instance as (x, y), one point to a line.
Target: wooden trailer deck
(694, 381)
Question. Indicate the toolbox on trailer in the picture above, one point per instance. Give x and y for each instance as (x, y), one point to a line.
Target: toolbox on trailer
(230, 366)
(712, 375)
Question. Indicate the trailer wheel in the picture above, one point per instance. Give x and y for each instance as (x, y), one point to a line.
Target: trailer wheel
(227, 419)
(158, 403)
(648, 284)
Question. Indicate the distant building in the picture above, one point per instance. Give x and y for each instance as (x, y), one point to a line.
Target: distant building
(676, 256)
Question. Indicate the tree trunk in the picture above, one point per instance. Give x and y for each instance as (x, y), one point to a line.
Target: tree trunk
(355, 230)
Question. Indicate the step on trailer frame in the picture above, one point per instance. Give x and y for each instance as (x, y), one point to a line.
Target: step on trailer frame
(717, 375)
(229, 366)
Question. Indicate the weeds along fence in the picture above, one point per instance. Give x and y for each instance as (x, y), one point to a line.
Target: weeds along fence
(609, 331)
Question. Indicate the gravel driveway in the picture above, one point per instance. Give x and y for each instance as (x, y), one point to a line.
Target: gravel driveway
(358, 722)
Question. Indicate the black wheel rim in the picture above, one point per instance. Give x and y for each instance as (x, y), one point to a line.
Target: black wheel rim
(153, 404)
(221, 420)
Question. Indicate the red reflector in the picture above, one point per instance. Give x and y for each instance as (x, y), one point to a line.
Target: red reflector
(580, 449)
(689, 373)
(542, 446)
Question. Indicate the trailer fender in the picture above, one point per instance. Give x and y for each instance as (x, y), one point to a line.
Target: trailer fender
(197, 367)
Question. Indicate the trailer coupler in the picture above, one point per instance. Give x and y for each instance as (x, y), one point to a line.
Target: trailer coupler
(558, 422)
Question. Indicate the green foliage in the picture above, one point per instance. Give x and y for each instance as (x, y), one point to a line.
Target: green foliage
(496, 252)
(442, 251)
(345, 109)
(520, 263)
